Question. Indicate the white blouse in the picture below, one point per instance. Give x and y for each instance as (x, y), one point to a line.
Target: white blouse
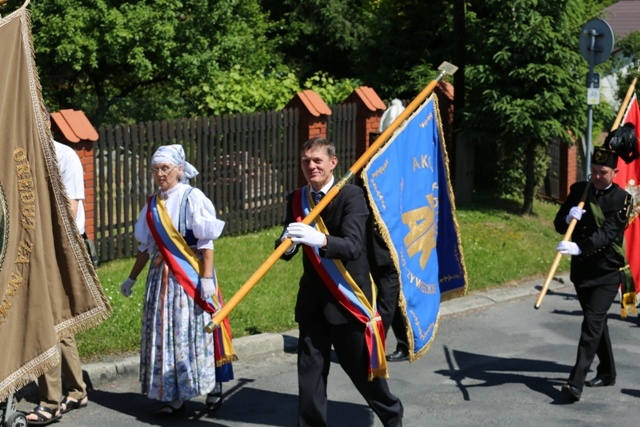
(201, 218)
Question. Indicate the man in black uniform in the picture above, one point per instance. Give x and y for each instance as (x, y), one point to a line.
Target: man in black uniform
(322, 319)
(598, 264)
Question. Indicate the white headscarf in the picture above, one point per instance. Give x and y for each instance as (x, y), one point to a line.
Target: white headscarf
(174, 155)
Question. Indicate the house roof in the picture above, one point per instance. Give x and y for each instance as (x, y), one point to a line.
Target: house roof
(623, 17)
(74, 125)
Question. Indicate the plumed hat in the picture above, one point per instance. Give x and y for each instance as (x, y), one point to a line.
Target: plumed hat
(623, 142)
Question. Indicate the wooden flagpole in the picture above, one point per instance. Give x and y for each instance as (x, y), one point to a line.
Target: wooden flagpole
(444, 69)
(583, 199)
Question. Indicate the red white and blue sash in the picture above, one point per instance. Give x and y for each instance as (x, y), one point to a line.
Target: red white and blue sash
(344, 289)
(187, 269)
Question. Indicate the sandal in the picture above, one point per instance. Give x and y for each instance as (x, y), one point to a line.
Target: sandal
(214, 399)
(168, 411)
(43, 420)
(68, 404)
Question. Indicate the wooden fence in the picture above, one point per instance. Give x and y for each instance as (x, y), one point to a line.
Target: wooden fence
(248, 163)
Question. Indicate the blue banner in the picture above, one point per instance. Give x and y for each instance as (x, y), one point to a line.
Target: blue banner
(412, 200)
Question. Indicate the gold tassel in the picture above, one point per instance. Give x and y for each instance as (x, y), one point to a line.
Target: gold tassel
(629, 301)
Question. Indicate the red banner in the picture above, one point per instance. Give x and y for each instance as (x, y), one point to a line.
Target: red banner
(628, 177)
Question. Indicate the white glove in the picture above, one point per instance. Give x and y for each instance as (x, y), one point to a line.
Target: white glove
(125, 287)
(568, 248)
(575, 213)
(293, 246)
(207, 287)
(304, 234)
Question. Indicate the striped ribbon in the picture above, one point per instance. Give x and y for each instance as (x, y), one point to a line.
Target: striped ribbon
(345, 290)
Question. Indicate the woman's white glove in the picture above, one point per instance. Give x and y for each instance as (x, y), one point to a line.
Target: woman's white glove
(568, 248)
(207, 287)
(125, 287)
(304, 234)
(575, 213)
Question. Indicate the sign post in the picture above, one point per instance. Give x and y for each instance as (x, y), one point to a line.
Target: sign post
(596, 44)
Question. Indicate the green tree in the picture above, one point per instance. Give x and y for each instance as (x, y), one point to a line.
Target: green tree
(525, 85)
(627, 67)
(320, 35)
(105, 56)
(408, 40)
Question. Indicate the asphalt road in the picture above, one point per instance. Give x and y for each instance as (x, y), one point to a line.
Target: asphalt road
(495, 361)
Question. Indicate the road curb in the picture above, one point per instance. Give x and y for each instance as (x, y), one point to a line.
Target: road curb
(287, 341)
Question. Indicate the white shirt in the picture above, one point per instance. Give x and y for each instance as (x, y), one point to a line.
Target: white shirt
(73, 178)
(200, 218)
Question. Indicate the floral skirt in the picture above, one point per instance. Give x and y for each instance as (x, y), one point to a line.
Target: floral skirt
(176, 354)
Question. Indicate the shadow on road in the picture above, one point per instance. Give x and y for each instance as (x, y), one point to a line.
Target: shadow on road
(242, 404)
(493, 371)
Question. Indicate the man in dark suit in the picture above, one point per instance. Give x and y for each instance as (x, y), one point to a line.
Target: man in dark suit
(598, 264)
(385, 277)
(323, 321)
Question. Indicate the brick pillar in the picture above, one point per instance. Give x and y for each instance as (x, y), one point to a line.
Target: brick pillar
(369, 109)
(568, 169)
(86, 153)
(313, 119)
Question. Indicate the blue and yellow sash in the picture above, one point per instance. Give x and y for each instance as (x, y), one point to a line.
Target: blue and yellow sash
(345, 290)
(187, 269)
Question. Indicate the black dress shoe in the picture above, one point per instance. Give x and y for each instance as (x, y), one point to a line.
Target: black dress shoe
(600, 382)
(573, 392)
(398, 356)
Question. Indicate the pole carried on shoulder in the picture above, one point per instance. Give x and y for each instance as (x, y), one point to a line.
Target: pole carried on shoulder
(583, 199)
(444, 69)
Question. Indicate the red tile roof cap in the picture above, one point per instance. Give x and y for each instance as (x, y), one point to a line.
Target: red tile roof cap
(74, 125)
(314, 103)
(370, 98)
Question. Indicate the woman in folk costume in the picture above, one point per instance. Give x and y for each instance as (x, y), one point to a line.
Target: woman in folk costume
(176, 230)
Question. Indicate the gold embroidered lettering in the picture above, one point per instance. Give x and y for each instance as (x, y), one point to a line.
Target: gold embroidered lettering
(27, 197)
(25, 189)
(25, 184)
(12, 289)
(23, 169)
(22, 257)
(4, 308)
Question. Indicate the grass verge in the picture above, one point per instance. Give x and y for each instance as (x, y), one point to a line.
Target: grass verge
(500, 246)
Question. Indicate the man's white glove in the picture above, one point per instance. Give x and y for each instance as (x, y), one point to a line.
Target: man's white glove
(125, 287)
(291, 248)
(207, 287)
(304, 234)
(575, 213)
(568, 248)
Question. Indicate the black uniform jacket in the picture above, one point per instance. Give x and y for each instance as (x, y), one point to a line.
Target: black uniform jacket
(598, 263)
(346, 219)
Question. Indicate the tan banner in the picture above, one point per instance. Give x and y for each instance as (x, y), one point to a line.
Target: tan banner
(48, 286)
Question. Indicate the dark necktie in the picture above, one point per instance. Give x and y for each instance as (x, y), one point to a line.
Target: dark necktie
(317, 196)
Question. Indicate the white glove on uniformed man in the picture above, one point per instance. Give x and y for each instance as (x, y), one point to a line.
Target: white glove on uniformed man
(575, 212)
(305, 234)
(207, 287)
(125, 287)
(292, 247)
(568, 248)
